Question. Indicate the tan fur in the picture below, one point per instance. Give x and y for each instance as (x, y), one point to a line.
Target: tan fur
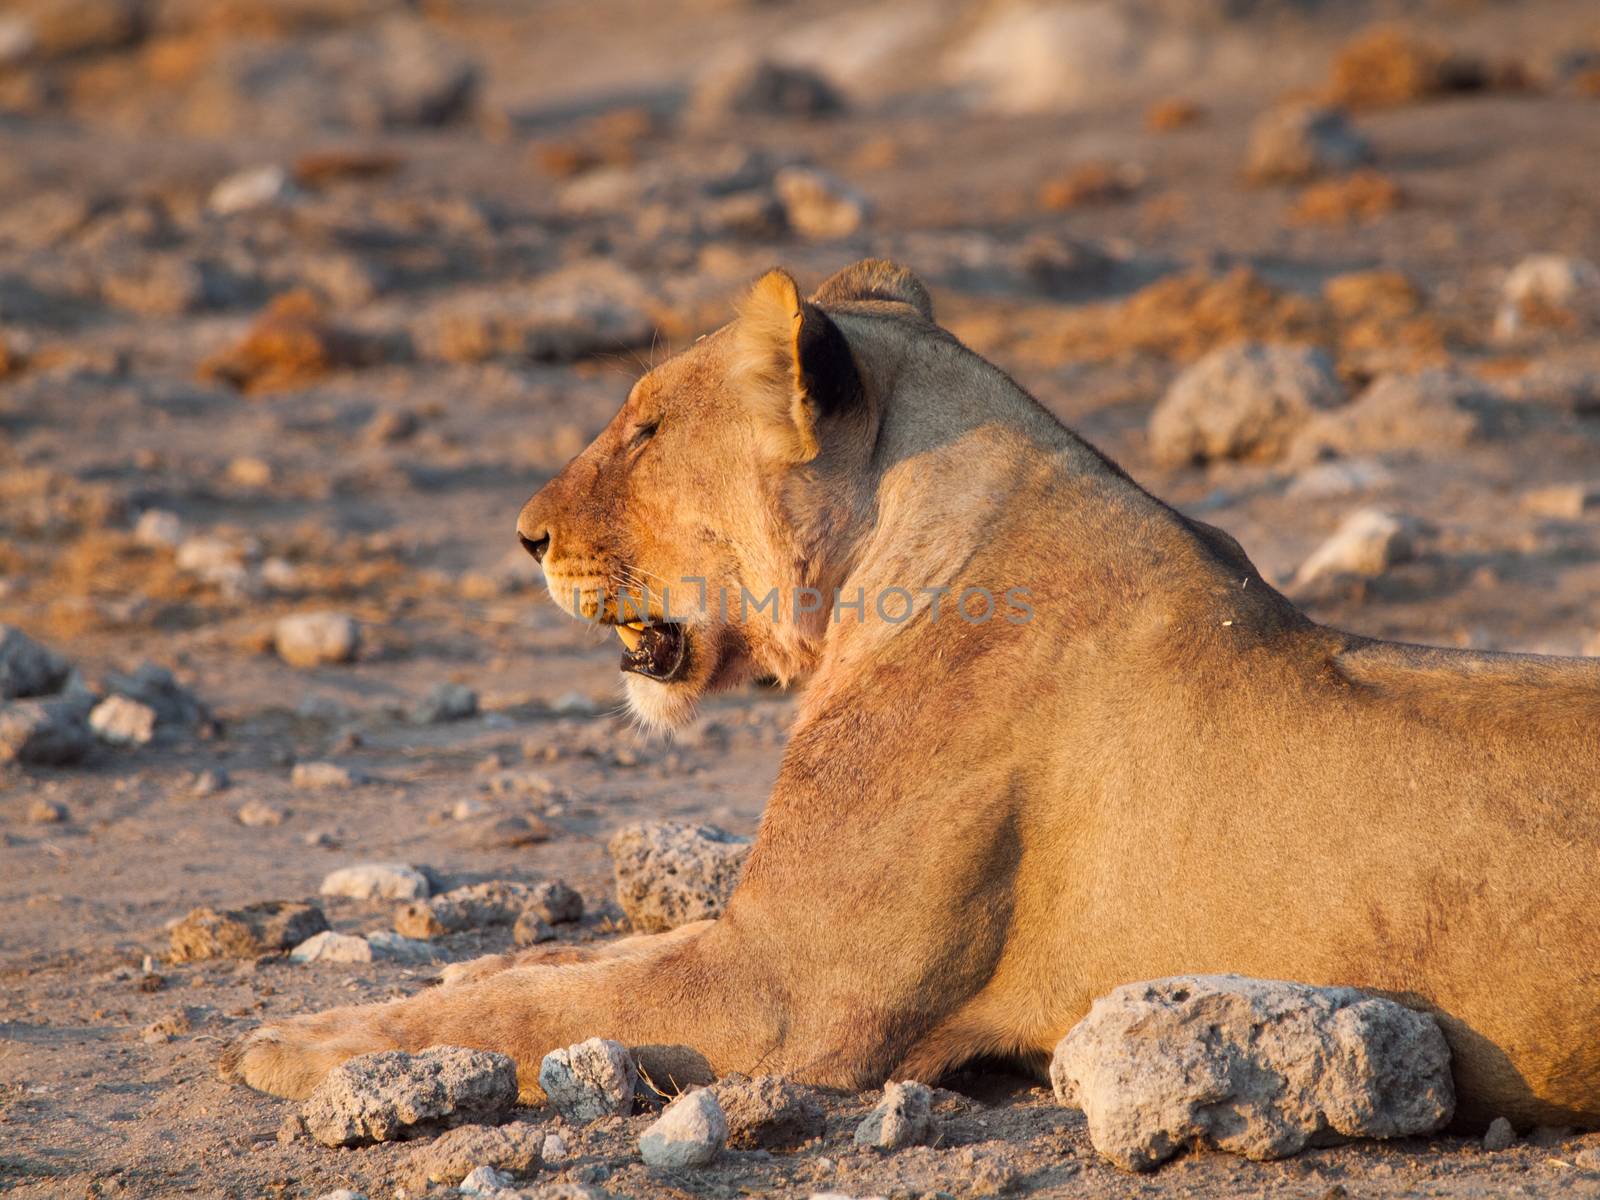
(978, 828)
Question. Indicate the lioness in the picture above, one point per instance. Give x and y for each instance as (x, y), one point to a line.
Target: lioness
(1146, 763)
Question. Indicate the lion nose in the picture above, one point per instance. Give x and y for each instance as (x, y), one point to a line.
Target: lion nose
(536, 545)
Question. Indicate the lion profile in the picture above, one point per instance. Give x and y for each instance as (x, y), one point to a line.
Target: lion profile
(980, 825)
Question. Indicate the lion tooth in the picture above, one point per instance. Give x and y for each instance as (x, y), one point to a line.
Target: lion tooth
(631, 637)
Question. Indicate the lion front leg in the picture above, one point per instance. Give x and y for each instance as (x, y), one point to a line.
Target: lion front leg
(689, 987)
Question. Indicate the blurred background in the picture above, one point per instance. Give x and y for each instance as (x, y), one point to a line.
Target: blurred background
(300, 300)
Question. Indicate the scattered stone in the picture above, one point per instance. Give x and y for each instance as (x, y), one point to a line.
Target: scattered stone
(291, 344)
(221, 562)
(445, 702)
(379, 946)
(158, 527)
(1090, 183)
(585, 309)
(209, 782)
(27, 668)
(768, 1112)
(1366, 544)
(157, 688)
(378, 881)
(904, 1117)
(343, 1194)
(818, 206)
(453, 1156)
(165, 1029)
(312, 639)
(1253, 1067)
(1430, 411)
(391, 425)
(1363, 195)
(163, 286)
(1342, 477)
(123, 722)
(324, 776)
(590, 1080)
(46, 812)
(1389, 65)
(1553, 291)
(763, 88)
(1499, 1136)
(504, 832)
(669, 874)
(391, 1094)
(485, 1181)
(46, 733)
(689, 1133)
(247, 932)
(1165, 116)
(531, 930)
(1247, 400)
(1563, 501)
(1300, 142)
(253, 187)
(258, 815)
(498, 902)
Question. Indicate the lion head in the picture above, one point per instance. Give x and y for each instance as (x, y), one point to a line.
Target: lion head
(712, 517)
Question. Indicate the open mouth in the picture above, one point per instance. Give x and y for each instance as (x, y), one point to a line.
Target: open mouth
(657, 650)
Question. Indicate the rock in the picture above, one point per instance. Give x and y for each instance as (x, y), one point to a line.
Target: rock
(445, 702)
(670, 874)
(760, 87)
(1431, 411)
(343, 1194)
(292, 343)
(329, 946)
(46, 733)
(904, 1117)
(163, 286)
(209, 782)
(27, 668)
(312, 639)
(390, 425)
(391, 1094)
(768, 1112)
(257, 814)
(689, 1133)
(454, 1155)
(377, 881)
(591, 1080)
(498, 902)
(157, 688)
(253, 187)
(1247, 400)
(1366, 544)
(123, 722)
(531, 930)
(504, 831)
(158, 527)
(1551, 290)
(247, 932)
(581, 310)
(818, 206)
(1253, 1067)
(220, 562)
(485, 1181)
(1499, 1136)
(378, 946)
(1342, 477)
(324, 776)
(1302, 141)
(46, 812)
(1562, 501)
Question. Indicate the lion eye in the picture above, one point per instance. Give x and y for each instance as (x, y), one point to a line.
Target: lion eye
(643, 434)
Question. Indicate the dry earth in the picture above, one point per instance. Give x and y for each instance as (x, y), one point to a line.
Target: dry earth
(367, 450)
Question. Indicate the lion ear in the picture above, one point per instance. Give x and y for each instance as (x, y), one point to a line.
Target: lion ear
(876, 279)
(795, 365)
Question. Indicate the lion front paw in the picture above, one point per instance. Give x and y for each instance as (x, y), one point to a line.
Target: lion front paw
(289, 1059)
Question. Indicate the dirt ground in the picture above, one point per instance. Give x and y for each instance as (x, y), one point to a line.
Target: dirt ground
(368, 454)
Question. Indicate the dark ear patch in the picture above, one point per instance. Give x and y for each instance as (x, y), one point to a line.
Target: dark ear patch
(876, 279)
(828, 373)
